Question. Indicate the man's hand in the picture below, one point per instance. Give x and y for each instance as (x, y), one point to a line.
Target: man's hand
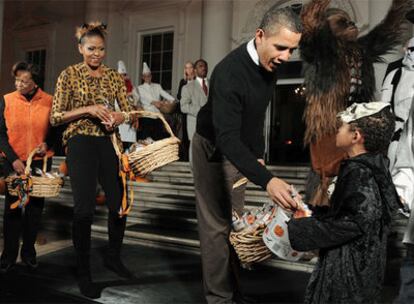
(41, 149)
(18, 166)
(261, 161)
(280, 193)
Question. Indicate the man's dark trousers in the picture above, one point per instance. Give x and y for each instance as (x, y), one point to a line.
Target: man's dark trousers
(215, 196)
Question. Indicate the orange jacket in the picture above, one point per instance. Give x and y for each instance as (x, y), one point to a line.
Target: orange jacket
(27, 122)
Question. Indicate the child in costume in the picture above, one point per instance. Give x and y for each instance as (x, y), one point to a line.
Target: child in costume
(351, 233)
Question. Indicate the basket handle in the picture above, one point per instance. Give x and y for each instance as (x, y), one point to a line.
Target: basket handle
(154, 115)
(29, 162)
(114, 141)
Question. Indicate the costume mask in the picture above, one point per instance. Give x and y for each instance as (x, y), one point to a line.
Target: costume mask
(341, 25)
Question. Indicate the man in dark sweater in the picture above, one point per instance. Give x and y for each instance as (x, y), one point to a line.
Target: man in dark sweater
(229, 144)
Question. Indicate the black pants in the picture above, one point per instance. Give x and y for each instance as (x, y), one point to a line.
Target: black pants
(17, 222)
(91, 159)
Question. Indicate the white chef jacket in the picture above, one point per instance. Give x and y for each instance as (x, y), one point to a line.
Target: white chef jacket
(152, 92)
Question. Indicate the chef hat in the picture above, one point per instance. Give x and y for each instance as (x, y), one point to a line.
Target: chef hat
(121, 67)
(145, 69)
(359, 110)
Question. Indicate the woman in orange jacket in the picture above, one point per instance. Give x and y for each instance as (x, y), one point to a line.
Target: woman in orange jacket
(24, 126)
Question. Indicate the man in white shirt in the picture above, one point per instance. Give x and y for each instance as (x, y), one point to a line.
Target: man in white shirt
(153, 98)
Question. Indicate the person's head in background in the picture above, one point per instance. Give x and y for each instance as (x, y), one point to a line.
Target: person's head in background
(277, 37)
(146, 73)
(201, 68)
(91, 43)
(189, 73)
(26, 77)
(365, 127)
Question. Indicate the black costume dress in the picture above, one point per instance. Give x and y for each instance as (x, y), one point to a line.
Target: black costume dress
(351, 234)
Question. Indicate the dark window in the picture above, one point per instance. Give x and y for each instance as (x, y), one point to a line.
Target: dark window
(157, 52)
(38, 57)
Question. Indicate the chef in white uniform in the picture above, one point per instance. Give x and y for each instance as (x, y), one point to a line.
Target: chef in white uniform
(152, 97)
(152, 94)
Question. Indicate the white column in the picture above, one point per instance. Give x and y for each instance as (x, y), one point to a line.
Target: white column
(216, 30)
(1, 28)
(96, 10)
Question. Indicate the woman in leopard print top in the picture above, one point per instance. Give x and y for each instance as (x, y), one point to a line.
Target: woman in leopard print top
(84, 99)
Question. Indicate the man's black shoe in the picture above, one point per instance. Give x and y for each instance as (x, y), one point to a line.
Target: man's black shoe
(31, 263)
(116, 265)
(5, 267)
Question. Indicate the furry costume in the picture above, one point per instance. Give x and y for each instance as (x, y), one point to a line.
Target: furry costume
(337, 73)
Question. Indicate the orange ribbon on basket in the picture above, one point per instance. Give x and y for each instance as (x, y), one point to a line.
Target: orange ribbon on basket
(23, 186)
(126, 174)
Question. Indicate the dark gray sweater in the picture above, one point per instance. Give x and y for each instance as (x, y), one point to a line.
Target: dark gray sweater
(234, 115)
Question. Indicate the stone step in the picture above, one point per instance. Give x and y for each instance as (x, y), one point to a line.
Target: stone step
(182, 170)
(172, 192)
(185, 167)
(280, 172)
(188, 180)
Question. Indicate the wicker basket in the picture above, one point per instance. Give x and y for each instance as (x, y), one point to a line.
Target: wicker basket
(157, 154)
(41, 186)
(249, 246)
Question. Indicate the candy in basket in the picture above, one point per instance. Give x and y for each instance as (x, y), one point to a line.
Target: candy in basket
(36, 184)
(246, 237)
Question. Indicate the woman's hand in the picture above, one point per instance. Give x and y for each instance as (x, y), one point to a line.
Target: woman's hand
(116, 118)
(18, 166)
(101, 112)
(41, 149)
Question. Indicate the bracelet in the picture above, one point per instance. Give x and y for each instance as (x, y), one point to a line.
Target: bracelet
(127, 117)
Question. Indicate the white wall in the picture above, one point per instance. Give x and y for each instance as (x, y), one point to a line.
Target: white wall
(128, 23)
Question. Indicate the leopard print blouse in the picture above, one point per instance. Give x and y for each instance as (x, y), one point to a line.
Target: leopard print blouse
(76, 88)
